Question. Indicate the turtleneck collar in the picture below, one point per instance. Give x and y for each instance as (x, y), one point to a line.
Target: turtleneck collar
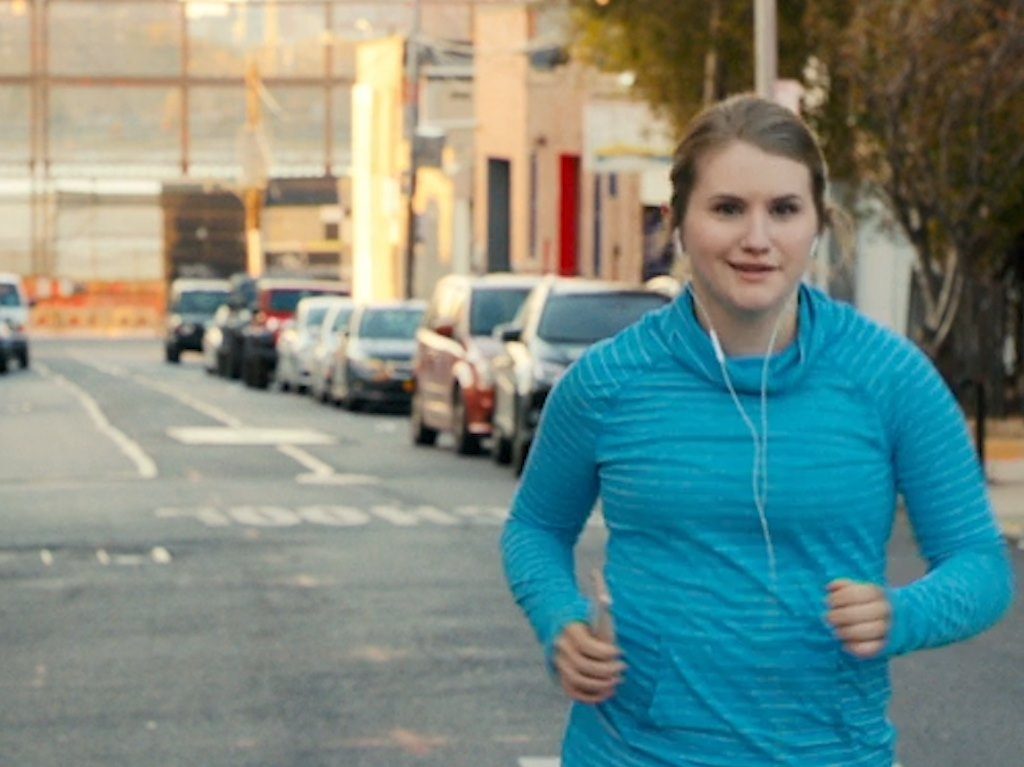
(692, 347)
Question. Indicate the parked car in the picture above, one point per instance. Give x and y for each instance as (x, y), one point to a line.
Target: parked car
(332, 332)
(14, 309)
(373, 363)
(557, 323)
(6, 353)
(454, 347)
(276, 300)
(191, 305)
(240, 302)
(297, 340)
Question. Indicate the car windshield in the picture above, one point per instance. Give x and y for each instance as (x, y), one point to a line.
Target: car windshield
(584, 318)
(494, 306)
(286, 300)
(315, 316)
(201, 301)
(9, 295)
(390, 323)
(342, 318)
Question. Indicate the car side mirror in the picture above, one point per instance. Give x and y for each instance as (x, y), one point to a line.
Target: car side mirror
(509, 333)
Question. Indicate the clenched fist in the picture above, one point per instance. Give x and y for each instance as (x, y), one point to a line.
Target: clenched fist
(861, 615)
(589, 668)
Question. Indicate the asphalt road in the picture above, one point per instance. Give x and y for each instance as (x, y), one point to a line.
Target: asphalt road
(193, 573)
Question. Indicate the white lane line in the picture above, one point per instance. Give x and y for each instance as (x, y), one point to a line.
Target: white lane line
(220, 435)
(206, 409)
(143, 463)
(321, 473)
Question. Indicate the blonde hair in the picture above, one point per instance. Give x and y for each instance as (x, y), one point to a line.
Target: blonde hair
(756, 121)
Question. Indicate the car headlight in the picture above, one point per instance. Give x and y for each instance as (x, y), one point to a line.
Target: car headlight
(186, 329)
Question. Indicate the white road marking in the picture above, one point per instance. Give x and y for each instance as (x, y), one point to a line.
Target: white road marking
(160, 555)
(102, 557)
(320, 472)
(143, 463)
(337, 479)
(265, 516)
(411, 517)
(334, 516)
(208, 410)
(219, 435)
(337, 516)
(208, 515)
(47, 557)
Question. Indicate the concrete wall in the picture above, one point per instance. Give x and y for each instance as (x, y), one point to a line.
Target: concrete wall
(531, 116)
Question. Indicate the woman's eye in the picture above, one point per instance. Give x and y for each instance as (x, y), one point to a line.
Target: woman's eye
(786, 208)
(728, 208)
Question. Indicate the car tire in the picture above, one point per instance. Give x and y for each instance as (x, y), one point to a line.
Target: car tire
(421, 434)
(3, 363)
(171, 354)
(501, 450)
(466, 443)
(23, 359)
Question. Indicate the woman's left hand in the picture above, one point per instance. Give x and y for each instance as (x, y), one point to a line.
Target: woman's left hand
(861, 615)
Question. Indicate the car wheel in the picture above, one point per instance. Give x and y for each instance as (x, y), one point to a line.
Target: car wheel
(325, 393)
(172, 354)
(23, 359)
(3, 363)
(466, 443)
(421, 434)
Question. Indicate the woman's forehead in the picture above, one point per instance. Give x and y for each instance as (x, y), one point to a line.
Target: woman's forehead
(742, 168)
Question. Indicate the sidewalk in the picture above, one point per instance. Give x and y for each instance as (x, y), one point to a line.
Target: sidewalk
(1004, 467)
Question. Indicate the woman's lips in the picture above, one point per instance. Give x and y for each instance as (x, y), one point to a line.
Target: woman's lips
(753, 269)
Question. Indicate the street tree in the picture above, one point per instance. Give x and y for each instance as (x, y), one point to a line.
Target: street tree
(930, 95)
(918, 102)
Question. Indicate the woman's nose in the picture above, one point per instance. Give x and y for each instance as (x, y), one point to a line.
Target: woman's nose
(756, 239)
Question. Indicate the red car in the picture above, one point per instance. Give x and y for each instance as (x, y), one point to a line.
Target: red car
(454, 389)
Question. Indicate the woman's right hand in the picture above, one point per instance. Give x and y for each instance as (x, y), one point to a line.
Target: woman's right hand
(589, 668)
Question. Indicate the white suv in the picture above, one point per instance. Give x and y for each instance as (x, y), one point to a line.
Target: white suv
(14, 314)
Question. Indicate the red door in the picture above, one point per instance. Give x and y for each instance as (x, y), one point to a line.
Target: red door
(569, 214)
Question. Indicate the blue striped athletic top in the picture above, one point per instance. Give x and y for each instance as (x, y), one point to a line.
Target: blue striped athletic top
(729, 666)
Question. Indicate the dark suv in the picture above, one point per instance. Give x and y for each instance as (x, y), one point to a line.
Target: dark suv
(275, 302)
(559, 321)
(454, 346)
(190, 307)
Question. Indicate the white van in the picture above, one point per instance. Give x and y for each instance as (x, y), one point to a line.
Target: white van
(14, 308)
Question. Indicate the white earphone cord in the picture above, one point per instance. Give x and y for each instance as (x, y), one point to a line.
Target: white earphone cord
(760, 469)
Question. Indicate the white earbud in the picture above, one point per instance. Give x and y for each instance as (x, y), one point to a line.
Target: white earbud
(814, 246)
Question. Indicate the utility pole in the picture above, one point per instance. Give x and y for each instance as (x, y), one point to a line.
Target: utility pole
(412, 68)
(766, 48)
(255, 163)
